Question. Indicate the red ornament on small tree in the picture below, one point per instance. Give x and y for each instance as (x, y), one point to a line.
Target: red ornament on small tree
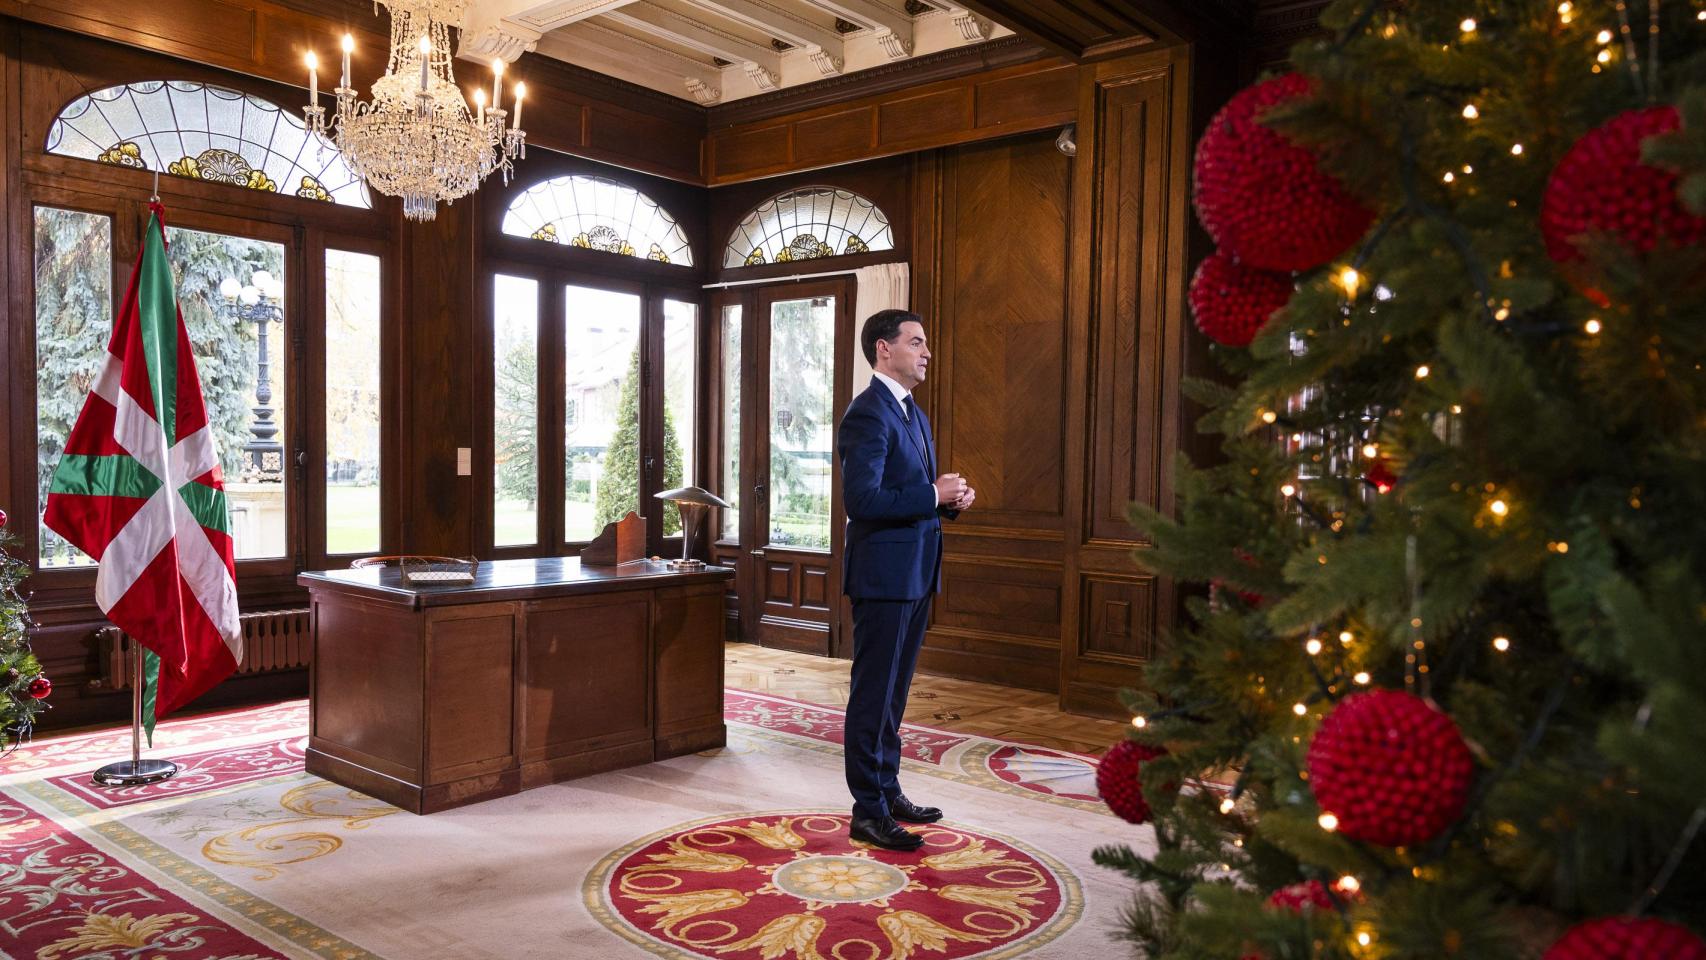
(1601, 186)
(1232, 302)
(1624, 938)
(1117, 779)
(40, 687)
(1392, 769)
(1264, 199)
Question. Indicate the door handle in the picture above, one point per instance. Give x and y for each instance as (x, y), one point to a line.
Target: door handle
(756, 553)
(758, 488)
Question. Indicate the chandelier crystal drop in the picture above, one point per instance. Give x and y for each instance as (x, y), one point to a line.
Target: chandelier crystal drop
(416, 138)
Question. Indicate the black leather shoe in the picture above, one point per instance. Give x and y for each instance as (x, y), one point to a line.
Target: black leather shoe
(884, 833)
(906, 811)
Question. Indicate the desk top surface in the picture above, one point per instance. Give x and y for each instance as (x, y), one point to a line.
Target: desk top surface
(498, 580)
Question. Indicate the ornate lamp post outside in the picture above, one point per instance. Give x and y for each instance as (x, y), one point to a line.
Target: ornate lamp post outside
(261, 302)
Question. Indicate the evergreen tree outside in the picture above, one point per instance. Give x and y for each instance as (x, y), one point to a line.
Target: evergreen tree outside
(1456, 469)
(74, 321)
(516, 424)
(619, 483)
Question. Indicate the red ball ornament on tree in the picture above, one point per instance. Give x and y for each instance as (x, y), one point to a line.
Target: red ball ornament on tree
(1264, 199)
(1392, 769)
(2, 518)
(1623, 938)
(40, 687)
(1601, 186)
(1117, 779)
(1231, 302)
(1309, 895)
(1380, 475)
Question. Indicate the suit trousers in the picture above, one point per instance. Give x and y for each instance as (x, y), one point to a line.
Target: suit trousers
(886, 638)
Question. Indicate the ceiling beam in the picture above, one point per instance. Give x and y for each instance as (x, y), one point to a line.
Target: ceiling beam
(827, 49)
(630, 58)
(762, 62)
(894, 28)
(509, 28)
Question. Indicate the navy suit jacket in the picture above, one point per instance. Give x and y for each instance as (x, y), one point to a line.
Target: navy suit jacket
(888, 478)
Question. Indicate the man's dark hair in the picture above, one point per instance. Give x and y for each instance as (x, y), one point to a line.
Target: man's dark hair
(884, 325)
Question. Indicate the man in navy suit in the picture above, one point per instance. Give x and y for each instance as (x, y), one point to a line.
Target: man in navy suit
(892, 566)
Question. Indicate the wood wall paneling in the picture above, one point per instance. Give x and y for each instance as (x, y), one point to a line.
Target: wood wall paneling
(1030, 96)
(1129, 248)
(470, 731)
(437, 382)
(994, 296)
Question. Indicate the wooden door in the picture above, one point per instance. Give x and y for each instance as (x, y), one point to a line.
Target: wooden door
(791, 520)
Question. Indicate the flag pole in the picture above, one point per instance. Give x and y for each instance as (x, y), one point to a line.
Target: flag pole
(135, 771)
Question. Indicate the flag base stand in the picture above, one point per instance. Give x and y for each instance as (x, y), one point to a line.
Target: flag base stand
(130, 773)
(135, 771)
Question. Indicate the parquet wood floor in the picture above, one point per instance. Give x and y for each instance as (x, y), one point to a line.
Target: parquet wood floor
(962, 706)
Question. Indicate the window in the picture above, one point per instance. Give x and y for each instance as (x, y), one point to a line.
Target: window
(74, 319)
(204, 132)
(680, 359)
(602, 382)
(515, 411)
(808, 224)
(352, 402)
(731, 421)
(239, 352)
(596, 213)
(802, 377)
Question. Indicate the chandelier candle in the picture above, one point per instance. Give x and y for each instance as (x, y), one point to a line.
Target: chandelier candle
(313, 80)
(419, 140)
(497, 84)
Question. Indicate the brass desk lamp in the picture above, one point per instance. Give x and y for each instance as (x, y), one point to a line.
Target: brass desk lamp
(695, 504)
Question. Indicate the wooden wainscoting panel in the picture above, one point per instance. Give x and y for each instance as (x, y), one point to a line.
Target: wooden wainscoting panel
(1021, 97)
(904, 120)
(1013, 598)
(814, 588)
(762, 149)
(1129, 244)
(666, 146)
(1127, 318)
(1000, 403)
(839, 137)
(1118, 619)
(779, 582)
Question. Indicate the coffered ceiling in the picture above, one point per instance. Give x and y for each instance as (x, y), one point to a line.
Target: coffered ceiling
(717, 51)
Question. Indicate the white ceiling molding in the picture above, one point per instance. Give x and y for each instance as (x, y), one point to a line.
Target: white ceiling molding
(509, 28)
(826, 48)
(762, 62)
(714, 51)
(894, 27)
(630, 58)
(973, 27)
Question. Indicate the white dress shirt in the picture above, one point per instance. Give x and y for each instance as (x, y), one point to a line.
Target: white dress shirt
(900, 392)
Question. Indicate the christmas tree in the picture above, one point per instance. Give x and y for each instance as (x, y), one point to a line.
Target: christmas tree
(23, 688)
(1446, 691)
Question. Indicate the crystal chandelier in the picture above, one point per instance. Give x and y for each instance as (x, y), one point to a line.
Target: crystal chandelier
(417, 139)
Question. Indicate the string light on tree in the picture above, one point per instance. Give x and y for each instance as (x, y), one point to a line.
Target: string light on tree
(1592, 326)
(1501, 644)
(1312, 646)
(1468, 25)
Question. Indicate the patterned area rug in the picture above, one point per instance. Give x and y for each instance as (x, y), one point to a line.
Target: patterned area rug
(736, 854)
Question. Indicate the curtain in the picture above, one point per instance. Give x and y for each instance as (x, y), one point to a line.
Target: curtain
(882, 287)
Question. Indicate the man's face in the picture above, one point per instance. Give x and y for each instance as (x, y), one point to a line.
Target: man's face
(906, 358)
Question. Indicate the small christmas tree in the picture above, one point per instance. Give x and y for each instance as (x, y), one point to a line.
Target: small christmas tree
(23, 688)
(1449, 678)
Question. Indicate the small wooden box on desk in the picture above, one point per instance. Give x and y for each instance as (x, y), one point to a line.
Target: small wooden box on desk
(430, 696)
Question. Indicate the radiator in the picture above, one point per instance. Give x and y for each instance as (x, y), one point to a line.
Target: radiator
(272, 640)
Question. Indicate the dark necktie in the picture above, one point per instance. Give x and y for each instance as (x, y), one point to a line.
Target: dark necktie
(916, 429)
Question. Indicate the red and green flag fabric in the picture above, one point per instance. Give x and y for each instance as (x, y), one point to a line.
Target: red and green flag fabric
(140, 490)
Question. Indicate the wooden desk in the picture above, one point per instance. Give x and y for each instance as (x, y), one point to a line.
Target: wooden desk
(434, 696)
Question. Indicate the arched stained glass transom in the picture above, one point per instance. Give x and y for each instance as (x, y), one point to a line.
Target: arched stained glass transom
(806, 224)
(204, 132)
(597, 213)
